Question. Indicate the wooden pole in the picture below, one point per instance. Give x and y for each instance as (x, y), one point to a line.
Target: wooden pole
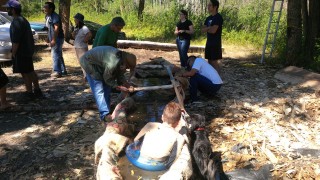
(175, 86)
(150, 88)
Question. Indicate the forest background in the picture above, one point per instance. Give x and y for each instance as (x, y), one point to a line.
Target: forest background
(245, 21)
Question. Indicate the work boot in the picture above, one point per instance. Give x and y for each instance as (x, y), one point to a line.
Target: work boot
(56, 75)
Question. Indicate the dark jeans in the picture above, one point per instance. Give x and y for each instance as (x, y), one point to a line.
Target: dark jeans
(183, 47)
(204, 85)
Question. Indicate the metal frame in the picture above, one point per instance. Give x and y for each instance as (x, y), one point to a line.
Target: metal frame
(272, 12)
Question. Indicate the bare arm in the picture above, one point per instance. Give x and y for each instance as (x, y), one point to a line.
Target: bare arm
(204, 29)
(145, 129)
(190, 73)
(55, 35)
(176, 31)
(87, 37)
(211, 29)
(191, 30)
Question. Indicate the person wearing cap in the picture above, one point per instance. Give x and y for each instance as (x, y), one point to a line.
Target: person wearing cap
(55, 39)
(203, 77)
(105, 67)
(108, 35)
(22, 50)
(81, 35)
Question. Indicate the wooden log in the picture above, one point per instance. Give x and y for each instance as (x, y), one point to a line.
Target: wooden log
(155, 46)
(176, 89)
(149, 66)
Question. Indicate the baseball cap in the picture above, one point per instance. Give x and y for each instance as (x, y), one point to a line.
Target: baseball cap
(79, 16)
(13, 4)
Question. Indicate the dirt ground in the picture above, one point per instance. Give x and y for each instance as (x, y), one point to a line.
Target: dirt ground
(255, 120)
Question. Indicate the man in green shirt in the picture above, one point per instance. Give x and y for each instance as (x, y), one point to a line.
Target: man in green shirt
(108, 35)
(105, 67)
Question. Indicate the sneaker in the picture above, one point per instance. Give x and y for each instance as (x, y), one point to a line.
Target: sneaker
(107, 118)
(64, 73)
(38, 93)
(56, 75)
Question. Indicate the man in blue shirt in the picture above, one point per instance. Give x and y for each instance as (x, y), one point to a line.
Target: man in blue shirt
(55, 39)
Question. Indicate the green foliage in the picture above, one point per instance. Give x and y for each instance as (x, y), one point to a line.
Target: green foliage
(245, 22)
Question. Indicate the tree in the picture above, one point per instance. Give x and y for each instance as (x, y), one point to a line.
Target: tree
(312, 29)
(294, 32)
(140, 9)
(303, 27)
(64, 12)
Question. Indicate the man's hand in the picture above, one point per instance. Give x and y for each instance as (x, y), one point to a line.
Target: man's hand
(122, 88)
(52, 43)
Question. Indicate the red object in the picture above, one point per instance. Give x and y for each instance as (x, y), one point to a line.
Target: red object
(200, 129)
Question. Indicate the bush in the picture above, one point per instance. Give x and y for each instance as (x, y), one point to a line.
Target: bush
(245, 22)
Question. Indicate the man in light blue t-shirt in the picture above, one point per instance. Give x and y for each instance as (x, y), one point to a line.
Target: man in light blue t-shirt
(203, 77)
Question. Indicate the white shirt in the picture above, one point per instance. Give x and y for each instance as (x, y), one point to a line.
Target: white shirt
(79, 39)
(206, 70)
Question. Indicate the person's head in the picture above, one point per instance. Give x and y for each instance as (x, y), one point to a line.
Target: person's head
(183, 14)
(13, 7)
(190, 62)
(172, 114)
(213, 6)
(48, 7)
(78, 19)
(117, 24)
(129, 61)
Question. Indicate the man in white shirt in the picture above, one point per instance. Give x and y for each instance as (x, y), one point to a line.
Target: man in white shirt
(203, 77)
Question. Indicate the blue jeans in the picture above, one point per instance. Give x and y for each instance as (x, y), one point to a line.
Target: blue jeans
(183, 47)
(56, 53)
(204, 85)
(101, 93)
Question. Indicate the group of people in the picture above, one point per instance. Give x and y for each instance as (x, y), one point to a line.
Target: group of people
(104, 66)
(204, 76)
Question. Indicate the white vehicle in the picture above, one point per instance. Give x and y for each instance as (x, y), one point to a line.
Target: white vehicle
(5, 42)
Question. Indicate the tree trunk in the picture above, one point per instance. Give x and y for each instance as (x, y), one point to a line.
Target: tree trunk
(305, 15)
(294, 32)
(122, 7)
(140, 9)
(312, 28)
(64, 12)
